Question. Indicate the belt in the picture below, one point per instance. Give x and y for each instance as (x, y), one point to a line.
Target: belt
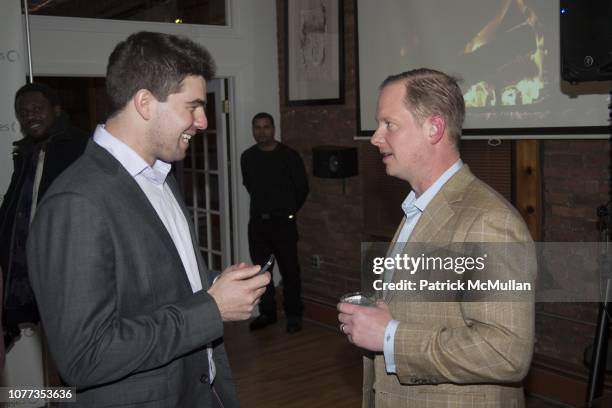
(269, 216)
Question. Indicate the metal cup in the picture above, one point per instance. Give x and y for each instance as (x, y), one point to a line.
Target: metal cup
(358, 298)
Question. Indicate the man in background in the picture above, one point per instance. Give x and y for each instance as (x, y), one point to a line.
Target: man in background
(49, 146)
(275, 178)
(132, 315)
(456, 352)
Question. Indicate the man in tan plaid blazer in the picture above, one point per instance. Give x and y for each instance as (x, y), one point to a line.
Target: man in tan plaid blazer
(431, 353)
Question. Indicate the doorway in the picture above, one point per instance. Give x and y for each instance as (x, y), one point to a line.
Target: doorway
(205, 177)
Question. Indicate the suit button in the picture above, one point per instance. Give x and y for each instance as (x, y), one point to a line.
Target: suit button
(204, 379)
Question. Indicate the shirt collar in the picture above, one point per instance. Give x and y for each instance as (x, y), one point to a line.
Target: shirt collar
(412, 202)
(129, 159)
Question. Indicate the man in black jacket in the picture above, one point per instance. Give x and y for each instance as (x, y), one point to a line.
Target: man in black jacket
(275, 178)
(49, 146)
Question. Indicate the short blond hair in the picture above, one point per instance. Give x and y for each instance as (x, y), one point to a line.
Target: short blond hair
(430, 92)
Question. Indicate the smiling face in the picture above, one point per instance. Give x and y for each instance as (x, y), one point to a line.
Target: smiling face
(35, 114)
(401, 140)
(176, 121)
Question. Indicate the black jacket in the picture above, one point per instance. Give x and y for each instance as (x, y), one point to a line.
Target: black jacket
(62, 146)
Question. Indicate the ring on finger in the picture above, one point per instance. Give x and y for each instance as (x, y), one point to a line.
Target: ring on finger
(342, 328)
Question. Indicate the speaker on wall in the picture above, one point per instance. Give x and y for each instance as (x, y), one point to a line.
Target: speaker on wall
(586, 40)
(334, 161)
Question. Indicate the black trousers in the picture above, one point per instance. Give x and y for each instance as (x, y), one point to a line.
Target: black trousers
(278, 236)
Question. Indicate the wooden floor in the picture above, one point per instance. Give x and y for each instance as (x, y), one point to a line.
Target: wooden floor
(316, 367)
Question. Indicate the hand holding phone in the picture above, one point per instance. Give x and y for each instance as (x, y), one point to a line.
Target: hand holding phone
(265, 267)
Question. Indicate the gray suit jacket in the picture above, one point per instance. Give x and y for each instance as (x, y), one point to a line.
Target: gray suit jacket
(460, 353)
(122, 323)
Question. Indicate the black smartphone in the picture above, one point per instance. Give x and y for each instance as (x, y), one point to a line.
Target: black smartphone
(265, 267)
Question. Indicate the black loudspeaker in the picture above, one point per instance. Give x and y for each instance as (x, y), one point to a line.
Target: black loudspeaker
(586, 40)
(334, 161)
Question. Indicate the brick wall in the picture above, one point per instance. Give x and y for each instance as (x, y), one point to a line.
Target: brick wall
(330, 223)
(575, 183)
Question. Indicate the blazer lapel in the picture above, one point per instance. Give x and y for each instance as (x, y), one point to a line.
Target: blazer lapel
(202, 269)
(440, 210)
(128, 187)
(391, 251)
(437, 215)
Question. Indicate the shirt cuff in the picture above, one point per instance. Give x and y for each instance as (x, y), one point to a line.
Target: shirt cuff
(389, 346)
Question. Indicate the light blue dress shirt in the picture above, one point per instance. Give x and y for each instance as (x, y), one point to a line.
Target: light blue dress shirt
(413, 208)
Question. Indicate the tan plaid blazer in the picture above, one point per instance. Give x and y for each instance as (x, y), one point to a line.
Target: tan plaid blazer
(458, 354)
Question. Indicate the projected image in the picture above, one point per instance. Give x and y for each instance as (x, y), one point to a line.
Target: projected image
(505, 54)
(516, 77)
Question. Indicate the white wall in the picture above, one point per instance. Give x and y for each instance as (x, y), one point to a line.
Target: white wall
(12, 77)
(245, 52)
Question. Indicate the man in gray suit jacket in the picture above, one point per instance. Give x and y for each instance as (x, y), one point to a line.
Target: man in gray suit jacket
(447, 348)
(132, 316)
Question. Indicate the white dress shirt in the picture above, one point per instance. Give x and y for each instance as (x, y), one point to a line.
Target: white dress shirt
(152, 181)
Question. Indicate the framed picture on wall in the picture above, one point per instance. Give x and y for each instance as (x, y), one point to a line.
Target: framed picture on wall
(313, 52)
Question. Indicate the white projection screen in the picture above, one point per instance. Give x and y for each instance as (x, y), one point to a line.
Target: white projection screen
(506, 54)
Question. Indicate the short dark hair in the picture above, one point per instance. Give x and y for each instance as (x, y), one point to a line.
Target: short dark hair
(154, 61)
(263, 115)
(430, 92)
(47, 92)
